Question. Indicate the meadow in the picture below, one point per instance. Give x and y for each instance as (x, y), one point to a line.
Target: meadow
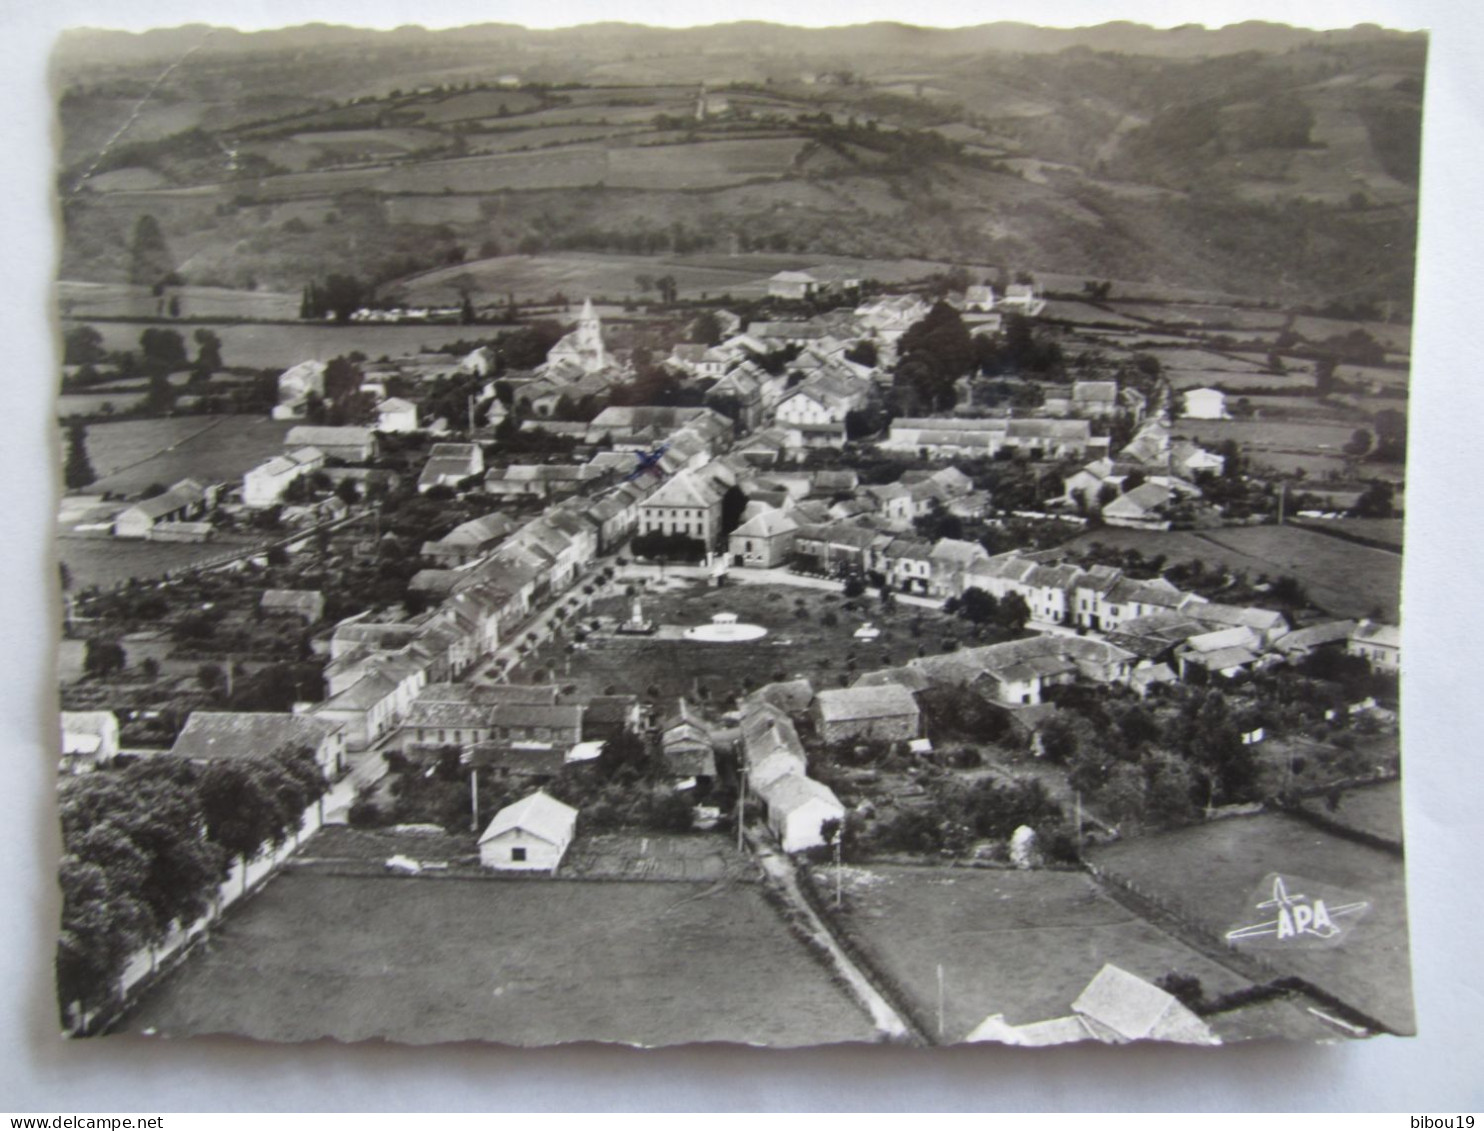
(280, 345)
(106, 562)
(1373, 809)
(1343, 578)
(540, 962)
(1023, 944)
(130, 455)
(121, 300)
(1209, 874)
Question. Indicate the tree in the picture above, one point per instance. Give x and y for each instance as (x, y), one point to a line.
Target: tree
(1377, 501)
(162, 351)
(1013, 612)
(706, 329)
(78, 471)
(83, 345)
(208, 351)
(1360, 443)
(1324, 375)
(102, 658)
(1216, 745)
(211, 677)
(150, 261)
(933, 354)
(978, 607)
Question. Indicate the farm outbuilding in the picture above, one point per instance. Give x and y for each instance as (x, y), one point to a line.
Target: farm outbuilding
(798, 807)
(888, 712)
(531, 835)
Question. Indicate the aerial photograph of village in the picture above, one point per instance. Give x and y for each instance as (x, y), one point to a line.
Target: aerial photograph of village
(734, 534)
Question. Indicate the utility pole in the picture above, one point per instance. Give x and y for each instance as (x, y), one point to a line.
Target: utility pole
(741, 804)
(940, 1001)
(474, 798)
(839, 879)
(1282, 498)
(1078, 796)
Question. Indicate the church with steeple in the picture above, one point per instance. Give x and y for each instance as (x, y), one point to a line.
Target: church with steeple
(583, 348)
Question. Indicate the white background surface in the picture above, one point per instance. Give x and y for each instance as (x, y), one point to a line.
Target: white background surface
(1437, 1072)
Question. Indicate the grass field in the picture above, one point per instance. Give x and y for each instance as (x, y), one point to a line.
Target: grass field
(1210, 872)
(130, 455)
(282, 345)
(1341, 577)
(580, 273)
(793, 647)
(106, 562)
(1374, 809)
(524, 963)
(121, 300)
(1024, 944)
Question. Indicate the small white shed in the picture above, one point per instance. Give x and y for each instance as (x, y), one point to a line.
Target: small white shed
(797, 809)
(530, 835)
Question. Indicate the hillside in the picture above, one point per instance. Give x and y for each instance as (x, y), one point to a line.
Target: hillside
(1254, 159)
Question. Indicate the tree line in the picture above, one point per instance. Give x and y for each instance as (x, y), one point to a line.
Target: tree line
(147, 847)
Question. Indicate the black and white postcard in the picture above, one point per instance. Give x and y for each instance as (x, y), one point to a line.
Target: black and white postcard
(738, 534)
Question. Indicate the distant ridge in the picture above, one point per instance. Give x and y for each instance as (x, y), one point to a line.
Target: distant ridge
(82, 45)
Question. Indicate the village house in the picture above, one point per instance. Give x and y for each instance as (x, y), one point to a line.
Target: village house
(1226, 652)
(608, 716)
(1204, 404)
(539, 481)
(979, 298)
(296, 385)
(1379, 644)
(396, 415)
(368, 709)
(306, 604)
(449, 465)
(183, 502)
(1146, 507)
(765, 541)
(1094, 399)
(435, 722)
(953, 560)
(906, 564)
(770, 744)
(1304, 642)
(1115, 1008)
(887, 712)
(1021, 298)
(90, 740)
(1019, 670)
(985, 437)
(348, 443)
(687, 746)
(469, 541)
(837, 549)
(556, 724)
(530, 835)
(264, 485)
(210, 736)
